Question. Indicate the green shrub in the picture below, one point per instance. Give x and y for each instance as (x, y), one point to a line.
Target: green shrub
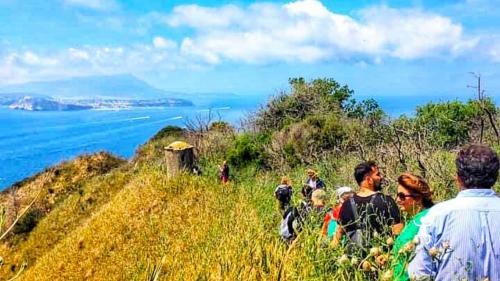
(221, 126)
(28, 221)
(451, 123)
(168, 131)
(248, 148)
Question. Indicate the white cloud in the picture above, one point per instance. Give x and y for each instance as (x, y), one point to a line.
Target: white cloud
(306, 31)
(24, 66)
(163, 43)
(93, 4)
(303, 31)
(493, 48)
(205, 18)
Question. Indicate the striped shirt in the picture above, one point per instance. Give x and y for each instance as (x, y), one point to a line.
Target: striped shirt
(463, 235)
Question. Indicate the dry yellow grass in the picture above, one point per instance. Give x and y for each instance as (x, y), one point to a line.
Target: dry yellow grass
(202, 231)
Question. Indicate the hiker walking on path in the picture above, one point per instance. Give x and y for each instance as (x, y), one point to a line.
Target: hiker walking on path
(369, 212)
(311, 213)
(224, 172)
(283, 193)
(330, 222)
(459, 239)
(414, 197)
(312, 183)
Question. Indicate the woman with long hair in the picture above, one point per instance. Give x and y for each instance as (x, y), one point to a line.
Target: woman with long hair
(414, 197)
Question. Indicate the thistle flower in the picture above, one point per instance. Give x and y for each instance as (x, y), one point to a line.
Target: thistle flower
(410, 246)
(416, 240)
(387, 275)
(344, 260)
(375, 251)
(382, 260)
(366, 266)
(433, 252)
(390, 241)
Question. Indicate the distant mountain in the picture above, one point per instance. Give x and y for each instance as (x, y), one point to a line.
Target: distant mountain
(105, 87)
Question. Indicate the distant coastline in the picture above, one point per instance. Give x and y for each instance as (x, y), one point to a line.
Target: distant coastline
(30, 103)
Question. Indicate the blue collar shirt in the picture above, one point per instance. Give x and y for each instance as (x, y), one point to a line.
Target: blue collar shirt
(459, 239)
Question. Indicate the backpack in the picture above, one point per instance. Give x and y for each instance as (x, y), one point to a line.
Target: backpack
(287, 232)
(284, 193)
(332, 226)
(358, 236)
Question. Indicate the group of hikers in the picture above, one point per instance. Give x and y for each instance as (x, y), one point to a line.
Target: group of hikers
(458, 239)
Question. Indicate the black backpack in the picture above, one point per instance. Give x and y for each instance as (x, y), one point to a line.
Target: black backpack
(284, 193)
(358, 236)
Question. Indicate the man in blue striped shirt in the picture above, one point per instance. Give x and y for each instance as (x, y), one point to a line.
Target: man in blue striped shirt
(459, 239)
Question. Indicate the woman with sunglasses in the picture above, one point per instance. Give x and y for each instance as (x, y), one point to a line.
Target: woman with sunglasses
(414, 198)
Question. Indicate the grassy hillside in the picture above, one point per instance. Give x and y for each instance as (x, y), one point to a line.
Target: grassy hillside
(102, 218)
(132, 219)
(63, 196)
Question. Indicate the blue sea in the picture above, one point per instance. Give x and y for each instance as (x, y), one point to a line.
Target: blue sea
(32, 141)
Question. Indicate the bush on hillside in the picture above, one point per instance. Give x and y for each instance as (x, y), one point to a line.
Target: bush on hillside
(452, 123)
(28, 221)
(168, 131)
(220, 126)
(248, 149)
(319, 96)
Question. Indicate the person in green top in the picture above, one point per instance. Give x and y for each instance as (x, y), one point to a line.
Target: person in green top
(414, 197)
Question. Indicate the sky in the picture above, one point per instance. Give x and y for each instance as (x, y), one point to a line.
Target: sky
(391, 48)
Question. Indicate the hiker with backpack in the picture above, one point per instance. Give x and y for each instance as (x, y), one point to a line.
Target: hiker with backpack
(310, 212)
(369, 212)
(283, 193)
(312, 183)
(330, 222)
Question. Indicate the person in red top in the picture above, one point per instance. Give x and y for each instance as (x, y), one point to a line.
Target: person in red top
(224, 173)
(343, 194)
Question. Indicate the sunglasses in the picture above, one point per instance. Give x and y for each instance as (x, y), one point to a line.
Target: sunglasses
(403, 196)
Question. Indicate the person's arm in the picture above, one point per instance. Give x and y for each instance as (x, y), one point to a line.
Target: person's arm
(345, 215)
(397, 228)
(422, 266)
(320, 183)
(326, 221)
(339, 232)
